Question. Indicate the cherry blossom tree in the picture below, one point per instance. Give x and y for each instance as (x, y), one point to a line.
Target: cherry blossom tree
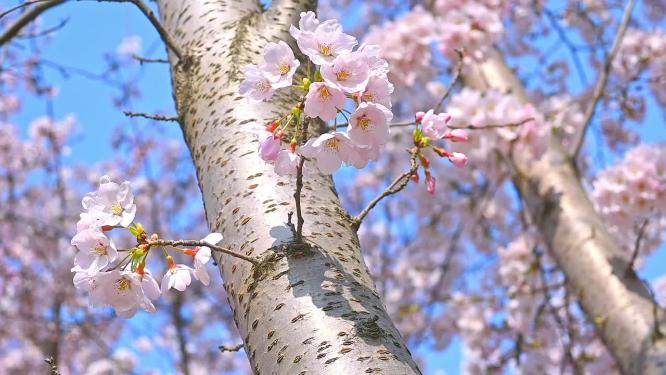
(478, 205)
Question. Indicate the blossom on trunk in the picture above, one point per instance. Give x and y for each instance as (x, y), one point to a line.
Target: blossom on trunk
(321, 41)
(330, 150)
(368, 125)
(323, 101)
(349, 72)
(256, 85)
(286, 163)
(280, 64)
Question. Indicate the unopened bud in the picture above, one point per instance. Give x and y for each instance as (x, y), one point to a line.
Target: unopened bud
(458, 159)
(273, 125)
(456, 135)
(419, 116)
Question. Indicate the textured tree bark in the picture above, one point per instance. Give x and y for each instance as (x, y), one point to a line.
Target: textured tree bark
(595, 266)
(306, 308)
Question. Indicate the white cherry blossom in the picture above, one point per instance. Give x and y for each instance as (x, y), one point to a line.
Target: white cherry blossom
(112, 204)
(96, 250)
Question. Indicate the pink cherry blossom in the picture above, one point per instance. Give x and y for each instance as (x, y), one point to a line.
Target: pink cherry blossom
(280, 64)
(434, 125)
(430, 183)
(330, 150)
(456, 135)
(458, 159)
(378, 90)
(269, 147)
(323, 101)
(286, 163)
(368, 125)
(323, 43)
(349, 72)
(256, 85)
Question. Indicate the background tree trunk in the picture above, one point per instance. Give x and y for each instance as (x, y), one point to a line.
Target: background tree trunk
(305, 309)
(613, 298)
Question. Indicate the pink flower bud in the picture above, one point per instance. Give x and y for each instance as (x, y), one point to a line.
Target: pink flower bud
(419, 117)
(456, 135)
(458, 159)
(269, 148)
(430, 183)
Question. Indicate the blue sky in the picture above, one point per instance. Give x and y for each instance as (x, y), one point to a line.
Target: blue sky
(95, 29)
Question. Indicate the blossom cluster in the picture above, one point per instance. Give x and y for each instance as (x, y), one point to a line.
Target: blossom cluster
(632, 191)
(128, 284)
(641, 51)
(414, 32)
(340, 73)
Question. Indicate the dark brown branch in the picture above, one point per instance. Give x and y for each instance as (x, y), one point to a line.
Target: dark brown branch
(180, 243)
(143, 60)
(299, 187)
(50, 30)
(53, 366)
(149, 116)
(492, 126)
(25, 18)
(456, 76)
(637, 247)
(396, 186)
(603, 78)
(145, 9)
(230, 348)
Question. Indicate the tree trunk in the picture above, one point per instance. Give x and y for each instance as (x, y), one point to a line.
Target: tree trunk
(305, 309)
(616, 301)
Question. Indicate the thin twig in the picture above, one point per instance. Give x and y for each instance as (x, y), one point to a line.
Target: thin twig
(180, 243)
(53, 366)
(145, 9)
(25, 18)
(456, 76)
(152, 117)
(573, 50)
(230, 348)
(50, 30)
(396, 186)
(143, 60)
(491, 126)
(468, 127)
(637, 247)
(299, 187)
(603, 78)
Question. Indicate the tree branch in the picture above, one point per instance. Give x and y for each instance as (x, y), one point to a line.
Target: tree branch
(25, 18)
(53, 366)
(180, 243)
(230, 348)
(150, 116)
(456, 76)
(637, 246)
(299, 186)
(603, 78)
(396, 186)
(145, 9)
(143, 60)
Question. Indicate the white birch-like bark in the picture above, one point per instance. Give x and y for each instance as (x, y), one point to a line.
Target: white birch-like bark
(305, 309)
(595, 266)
